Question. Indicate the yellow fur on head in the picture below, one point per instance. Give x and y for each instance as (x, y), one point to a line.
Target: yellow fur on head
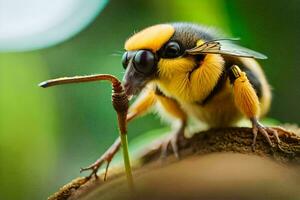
(182, 79)
(153, 38)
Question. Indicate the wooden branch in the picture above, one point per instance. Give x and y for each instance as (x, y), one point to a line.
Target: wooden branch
(237, 140)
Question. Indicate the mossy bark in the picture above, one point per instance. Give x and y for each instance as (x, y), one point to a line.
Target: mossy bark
(271, 167)
(236, 140)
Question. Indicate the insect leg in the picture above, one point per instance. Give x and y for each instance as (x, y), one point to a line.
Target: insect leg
(171, 109)
(106, 157)
(139, 107)
(247, 101)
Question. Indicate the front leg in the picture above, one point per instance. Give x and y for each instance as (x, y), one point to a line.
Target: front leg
(248, 103)
(106, 157)
(171, 111)
(172, 139)
(144, 102)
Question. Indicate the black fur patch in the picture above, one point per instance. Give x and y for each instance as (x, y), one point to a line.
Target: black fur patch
(229, 62)
(220, 84)
(158, 92)
(187, 34)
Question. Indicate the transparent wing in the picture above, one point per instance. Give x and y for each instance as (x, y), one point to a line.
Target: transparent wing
(224, 47)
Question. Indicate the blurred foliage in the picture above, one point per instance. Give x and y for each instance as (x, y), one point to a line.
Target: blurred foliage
(29, 145)
(47, 135)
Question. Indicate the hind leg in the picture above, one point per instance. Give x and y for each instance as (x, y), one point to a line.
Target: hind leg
(247, 101)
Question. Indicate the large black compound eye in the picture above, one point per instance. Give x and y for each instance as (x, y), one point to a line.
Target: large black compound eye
(172, 50)
(126, 58)
(144, 62)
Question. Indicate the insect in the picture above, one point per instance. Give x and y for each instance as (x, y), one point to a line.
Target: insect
(187, 71)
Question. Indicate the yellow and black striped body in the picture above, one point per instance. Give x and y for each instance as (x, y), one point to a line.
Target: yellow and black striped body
(199, 86)
(217, 107)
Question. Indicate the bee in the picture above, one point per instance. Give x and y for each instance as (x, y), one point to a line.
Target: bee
(187, 71)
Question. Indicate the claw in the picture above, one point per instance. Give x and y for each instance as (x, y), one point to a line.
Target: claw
(274, 133)
(164, 148)
(254, 131)
(175, 146)
(172, 140)
(94, 167)
(106, 157)
(106, 170)
(265, 131)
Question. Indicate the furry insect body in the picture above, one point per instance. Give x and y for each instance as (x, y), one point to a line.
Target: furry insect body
(200, 83)
(194, 69)
(207, 92)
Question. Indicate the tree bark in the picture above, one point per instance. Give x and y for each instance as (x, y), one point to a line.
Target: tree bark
(207, 153)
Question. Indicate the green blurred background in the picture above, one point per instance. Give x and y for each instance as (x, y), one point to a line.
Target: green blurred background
(47, 135)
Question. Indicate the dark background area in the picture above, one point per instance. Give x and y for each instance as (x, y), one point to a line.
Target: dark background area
(47, 135)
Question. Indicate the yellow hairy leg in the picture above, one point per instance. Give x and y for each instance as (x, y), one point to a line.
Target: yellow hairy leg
(244, 94)
(171, 110)
(248, 103)
(265, 100)
(143, 103)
